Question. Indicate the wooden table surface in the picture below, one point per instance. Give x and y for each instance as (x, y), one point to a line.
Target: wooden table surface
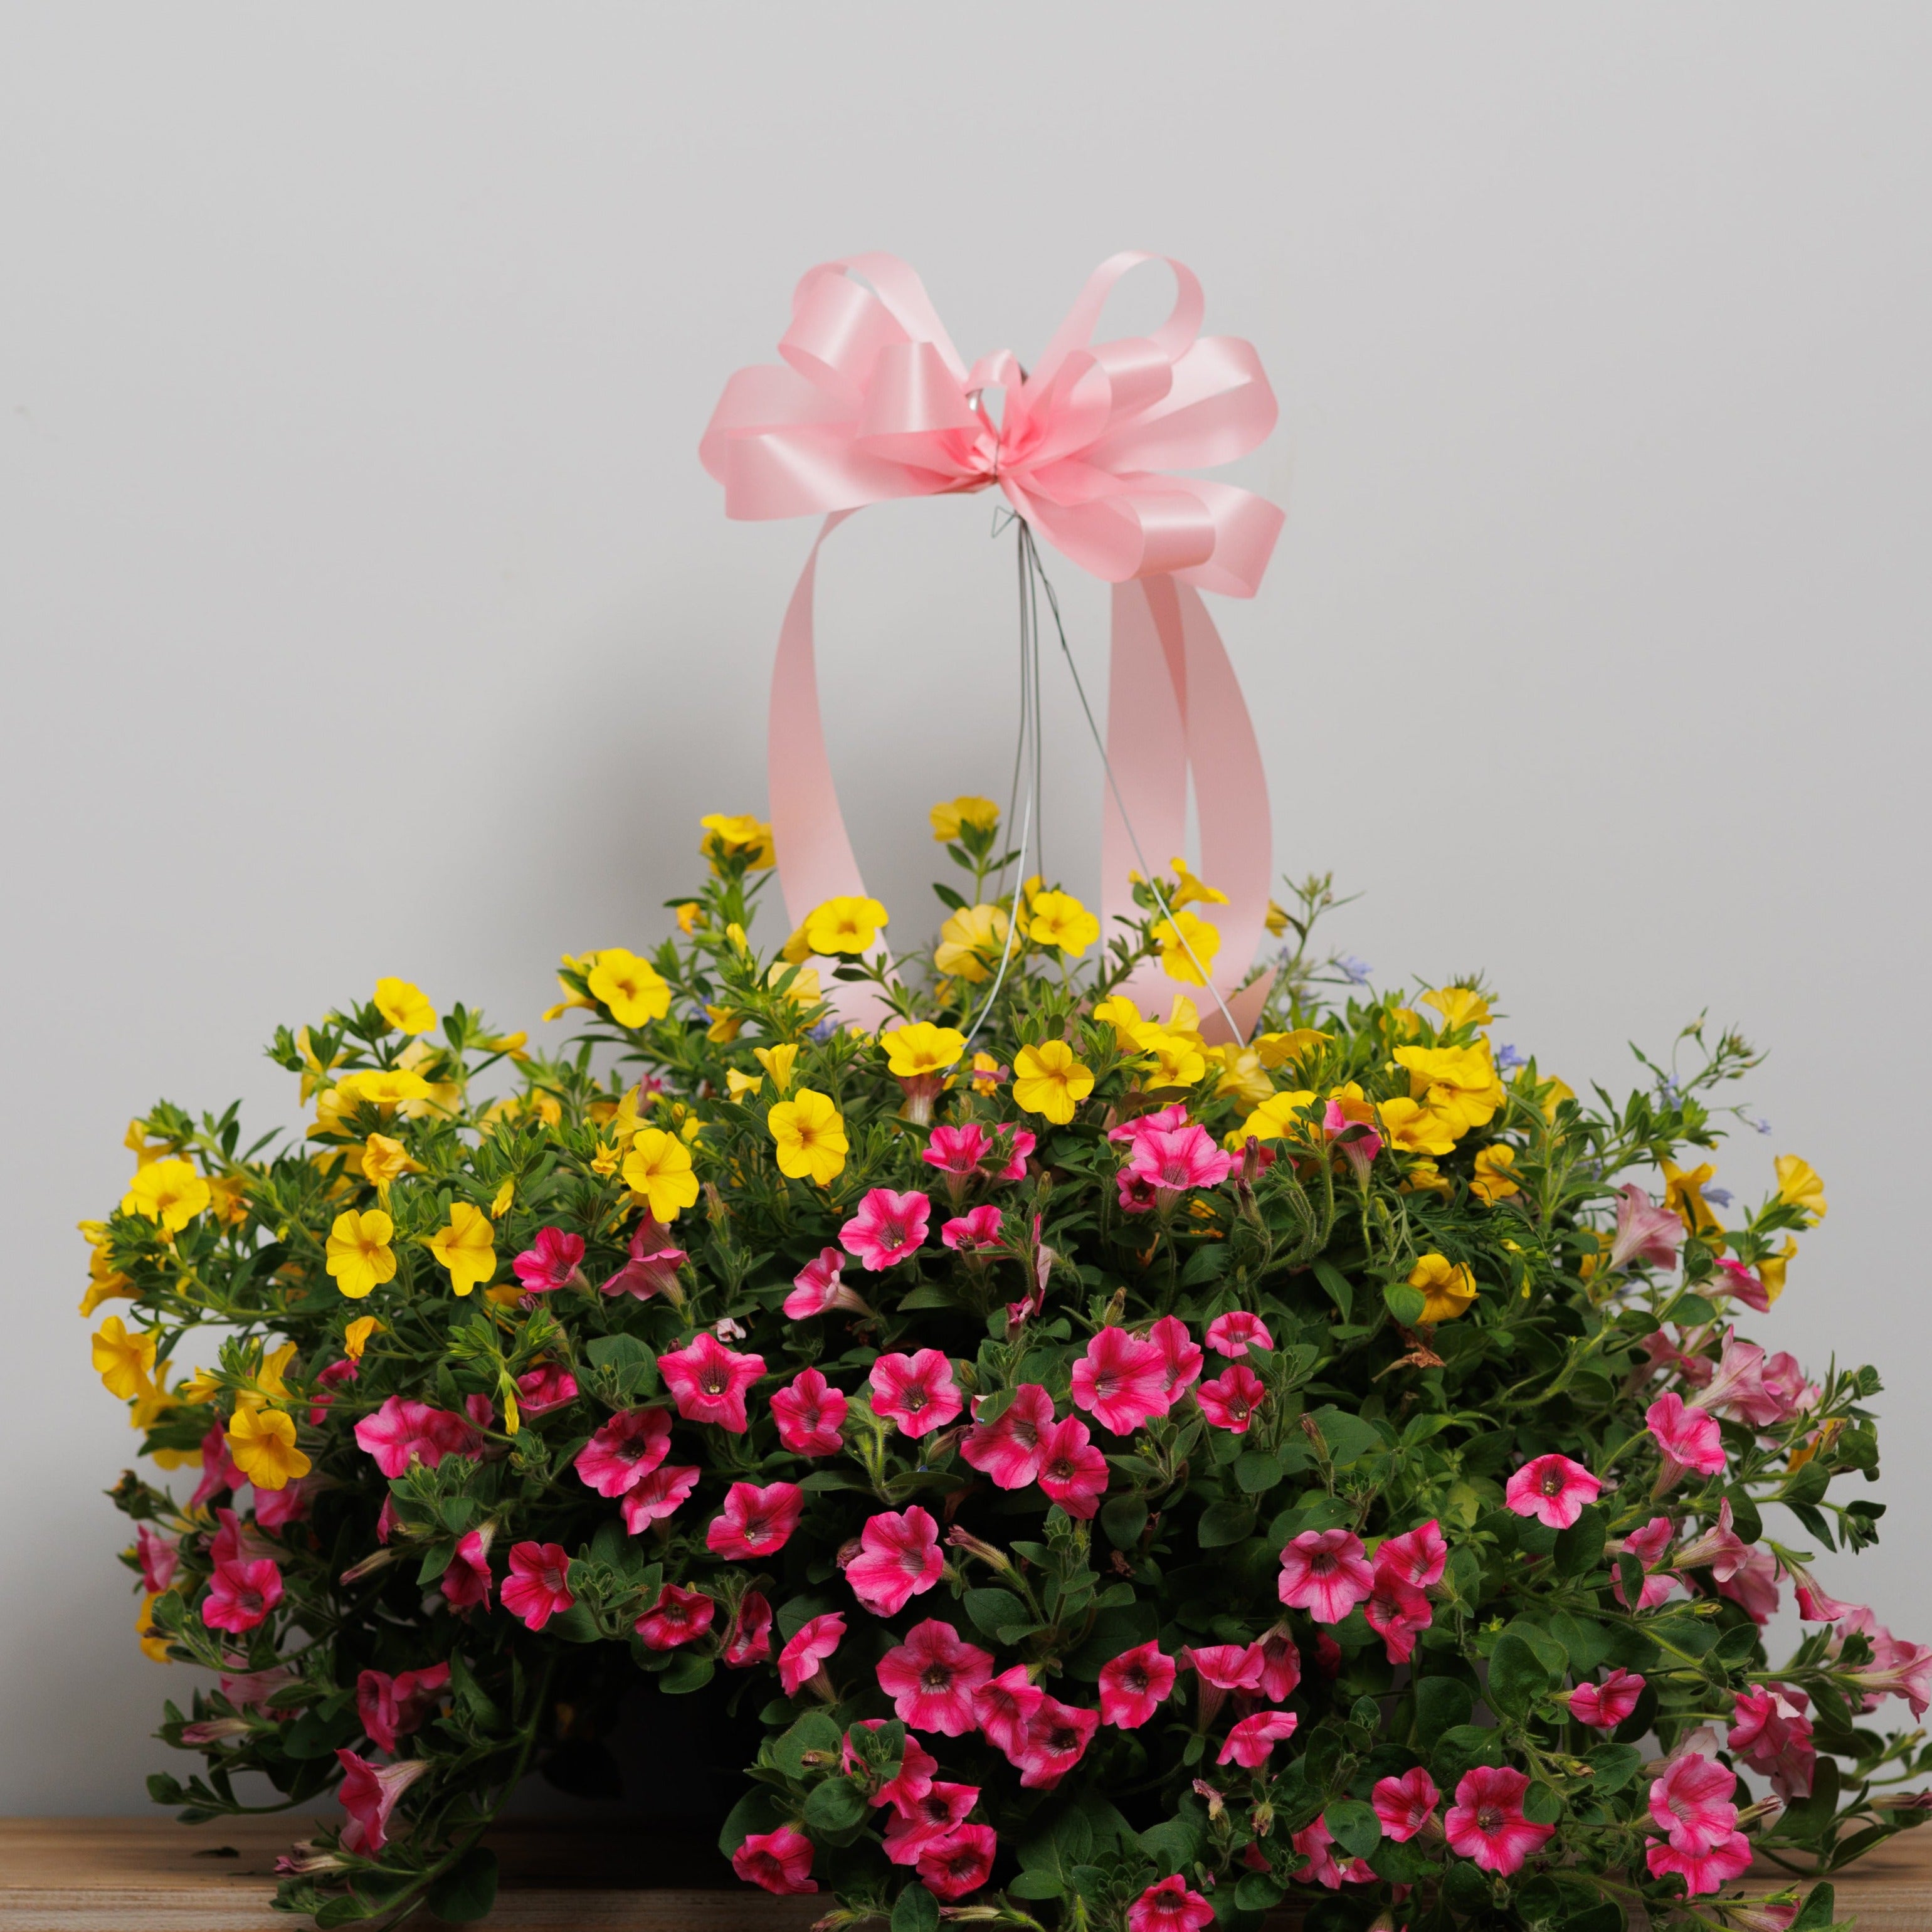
(151, 1874)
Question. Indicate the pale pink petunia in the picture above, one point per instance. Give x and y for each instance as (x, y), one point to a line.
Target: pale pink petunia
(1648, 1545)
(931, 1678)
(779, 1860)
(157, 1557)
(264, 1690)
(1688, 1437)
(651, 1264)
(368, 1793)
(1252, 1739)
(1734, 1278)
(1815, 1605)
(816, 1288)
(888, 1227)
(1701, 1872)
(1180, 1356)
(1072, 1471)
(961, 1862)
(1754, 1584)
(899, 1558)
(1134, 1685)
(1007, 1448)
(1736, 1388)
(817, 1638)
(750, 1640)
(1169, 1906)
(467, 1583)
(1553, 1489)
(974, 1232)
(754, 1522)
(1168, 1120)
(1771, 1734)
(1397, 1612)
(1784, 1381)
(1487, 1822)
(1604, 1706)
(1692, 1802)
(1405, 1805)
(1235, 1333)
(1121, 1381)
(392, 1707)
(708, 1382)
(544, 1387)
(1231, 1400)
(938, 1810)
(1664, 1352)
(657, 1496)
(1055, 1740)
(1325, 1572)
(625, 1451)
(1896, 1669)
(1644, 1232)
(402, 1432)
(241, 1595)
(538, 1586)
(552, 1261)
(678, 1616)
(1004, 1706)
(1718, 1549)
(915, 1391)
(1173, 1161)
(810, 1413)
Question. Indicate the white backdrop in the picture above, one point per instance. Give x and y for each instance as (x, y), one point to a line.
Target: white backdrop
(365, 609)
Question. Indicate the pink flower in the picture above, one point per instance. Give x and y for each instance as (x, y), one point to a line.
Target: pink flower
(1004, 1706)
(1645, 1232)
(263, 1690)
(466, 1583)
(157, 1557)
(1553, 1489)
(1168, 1120)
(1418, 1556)
(1702, 1871)
(1234, 1334)
(1253, 1737)
(1072, 1471)
(799, 1662)
(551, 1261)
(1770, 1733)
(1691, 1801)
(368, 1794)
(708, 1382)
(1228, 1666)
(1121, 1381)
(1485, 1822)
(1007, 1449)
(1604, 1706)
(1736, 1388)
(1135, 1196)
(1648, 1545)
(401, 1431)
(1719, 1548)
(931, 1678)
(1754, 1584)
(1406, 1804)
(1896, 1669)
(939, 1809)
(1315, 1843)
(241, 1595)
(678, 1616)
(1664, 1353)
(1179, 1354)
(1172, 1162)
(754, 1522)
(750, 1641)
(887, 1228)
(914, 1779)
(1397, 1612)
(1230, 1399)
(1814, 1605)
(1281, 1664)
(976, 1230)
(652, 1266)
(1135, 1685)
(331, 1379)
(915, 1391)
(218, 1472)
(1737, 1279)
(958, 1151)
(780, 1861)
(545, 1387)
(1688, 1437)
(1055, 1740)
(1324, 1572)
(621, 1454)
(817, 1289)
(538, 1587)
(1169, 1906)
(236, 1541)
(899, 1559)
(1015, 1144)
(392, 1707)
(810, 1413)
(657, 1496)
(1784, 1382)
(962, 1861)
(1358, 1140)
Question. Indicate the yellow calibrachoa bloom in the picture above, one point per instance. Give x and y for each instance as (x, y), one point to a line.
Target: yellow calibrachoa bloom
(921, 1048)
(356, 1337)
(1492, 1182)
(1459, 1082)
(633, 990)
(1684, 1194)
(737, 1085)
(153, 1644)
(658, 1169)
(726, 1025)
(1241, 1077)
(262, 1442)
(123, 1362)
(1770, 1270)
(809, 1133)
(971, 942)
(506, 1199)
(169, 1191)
(1184, 939)
(1190, 891)
(1058, 919)
(1276, 1119)
(844, 925)
(736, 835)
(1449, 1286)
(987, 1074)
(105, 1282)
(385, 1160)
(1798, 1183)
(1121, 1014)
(360, 1257)
(1048, 1080)
(1459, 1006)
(1177, 1061)
(136, 1140)
(1415, 1129)
(467, 1247)
(982, 814)
(572, 997)
(778, 1061)
(404, 1005)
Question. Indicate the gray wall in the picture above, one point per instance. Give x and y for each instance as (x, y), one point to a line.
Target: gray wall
(365, 609)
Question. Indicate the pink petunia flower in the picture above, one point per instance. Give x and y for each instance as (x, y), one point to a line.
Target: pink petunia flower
(1281, 1664)
(1180, 1356)
(1317, 1845)
(538, 1587)
(799, 1661)
(678, 1616)
(1692, 1802)
(888, 1227)
(1055, 1740)
(1735, 1279)
(1701, 1872)
(1397, 1612)
(708, 1382)
(810, 1413)
(899, 1558)
(552, 1261)
(1252, 1739)
(1187, 1157)
(961, 1862)
(974, 1231)
(1007, 1448)
(1012, 1146)
(400, 1432)
(750, 1641)
(545, 1387)
(1896, 1669)
(368, 1793)
(1553, 1489)
(1357, 1140)
(1648, 1545)
(1168, 1120)
(1405, 1805)
(467, 1583)
(780, 1862)
(1736, 1388)
(931, 1676)
(1418, 1556)
(392, 1707)
(1169, 1906)
(1230, 1400)
(1325, 1572)
(1604, 1706)
(651, 1265)
(1754, 1584)
(241, 1595)
(1134, 1685)
(1072, 1471)
(1004, 1706)
(1486, 1824)
(1121, 1381)
(1135, 1195)
(1719, 1548)
(915, 1391)
(238, 1542)
(158, 1557)
(1669, 1355)
(1235, 1333)
(818, 1290)
(1644, 1232)
(909, 1784)
(754, 1522)
(938, 1810)
(1227, 1666)
(1770, 1733)
(337, 1375)
(958, 1151)
(1688, 1437)
(218, 1472)
(625, 1451)
(657, 1496)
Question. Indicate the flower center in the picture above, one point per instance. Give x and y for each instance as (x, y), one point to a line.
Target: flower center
(1488, 1820)
(936, 1677)
(1552, 1484)
(714, 1382)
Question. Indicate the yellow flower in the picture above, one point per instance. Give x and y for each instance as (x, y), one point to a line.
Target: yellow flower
(632, 989)
(987, 1074)
(688, 913)
(1770, 1270)
(1492, 1182)
(1459, 1082)
(1798, 1183)
(136, 1140)
(844, 925)
(1277, 1119)
(262, 1442)
(385, 1089)
(725, 1024)
(123, 1362)
(1683, 1193)
(360, 1257)
(1450, 1288)
(1058, 919)
(1459, 1006)
(1048, 1080)
(1190, 891)
(356, 1337)
(740, 836)
(921, 1048)
(384, 1160)
(802, 988)
(738, 1085)
(1424, 1176)
(404, 1005)
(608, 1158)
(152, 1645)
(572, 997)
(467, 1247)
(1416, 1129)
(169, 1191)
(1276, 921)
(1177, 1062)
(971, 942)
(778, 1061)
(1183, 941)
(1241, 1077)
(982, 814)
(105, 1282)
(228, 1195)
(268, 1376)
(810, 1136)
(506, 1195)
(1121, 1014)
(658, 1169)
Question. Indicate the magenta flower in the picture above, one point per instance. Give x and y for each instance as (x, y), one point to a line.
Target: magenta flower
(400, 1432)
(1324, 1572)
(678, 1616)
(817, 1289)
(1252, 1739)
(238, 1542)
(916, 1767)
(931, 1678)
(1135, 1685)
(1701, 1872)
(1814, 1604)
(962, 1861)
(780, 1861)
(157, 1557)
(754, 1522)
(1007, 1448)
(545, 1387)
(1055, 1740)
(657, 1496)
(1604, 1706)
(1770, 1733)
(538, 1587)
(1397, 1612)
(1691, 1801)
(1357, 1140)
(1485, 1822)
(218, 1472)
(1235, 1333)
(1896, 1669)
(1227, 1666)
(1121, 1381)
(708, 1382)
(241, 1595)
(1648, 1545)
(1072, 1471)
(335, 1376)
(750, 1641)
(1230, 1400)
(466, 1583)
(652, 1265)
(974, 1231)
(621, 1454)
(1406, 1804)
(1135, 1196)
(1553, 1489)
(1281, 1664)
(810, 1413)
(1418, 1556)
(368, 1793)
(1315, 1844)
(392, 1707)
(1004, 1706)
(1169, 1906)
(1179, 1354)
(1012, 1146)
(799, 1661)
(958, 1151)
(939, 1809)
(1688, 1437)
(551, 1261)
(887, 1228)
(915, 1391)
(1185, 1157)
(1736, 1279)
(899, 1558)
(1168, 1120)
(1644, 1232)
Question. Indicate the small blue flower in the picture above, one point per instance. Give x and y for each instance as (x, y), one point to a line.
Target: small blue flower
(1356, 971)
(1762, 1126)
(1667, 1086)
(823, 1031)
(1721, 1195)
(1508, 1059)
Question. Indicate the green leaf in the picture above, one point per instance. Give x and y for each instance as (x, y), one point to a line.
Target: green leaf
(1612, 1767)
(915, 1910)
(991, 1610)
(1517, 1678)
(816, 1731)
(1404, 1302)
(1257, 1891)
(688, 1671)
(756, 1811)
(1541, 1805)
(1441, 1703)
(835, 1805)
(468, 1889)
(1124, 1518)
(1224, 1523)
(1173, 1844)
(1256, 1473)
(1348, 1437)
(1820, 1908)
(1580, 1549)
(1339, 1288)
(1036, 1882)
(1586, 1643)
(1354, 1826)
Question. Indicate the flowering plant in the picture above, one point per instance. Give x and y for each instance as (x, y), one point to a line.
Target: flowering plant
(1132, 1479)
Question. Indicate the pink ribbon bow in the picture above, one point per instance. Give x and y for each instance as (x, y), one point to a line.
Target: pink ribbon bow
(874, 402)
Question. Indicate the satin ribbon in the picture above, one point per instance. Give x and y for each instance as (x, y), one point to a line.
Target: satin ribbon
(873, 402)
